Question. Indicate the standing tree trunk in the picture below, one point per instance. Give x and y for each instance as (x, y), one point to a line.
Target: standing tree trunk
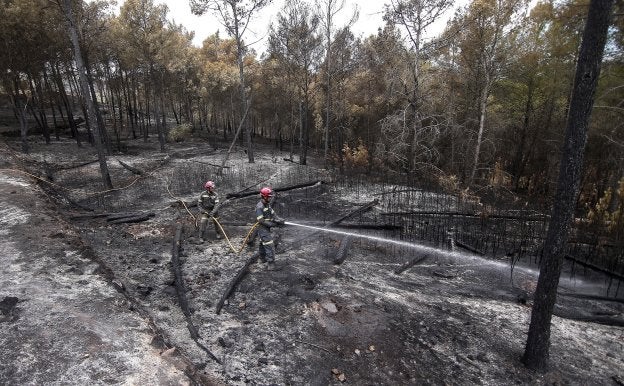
(485, 93)
(244, 102)
(303, 127)
(536, 354)
(84, 84)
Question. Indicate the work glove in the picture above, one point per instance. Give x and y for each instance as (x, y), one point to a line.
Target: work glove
(279, 221)
(268, 224)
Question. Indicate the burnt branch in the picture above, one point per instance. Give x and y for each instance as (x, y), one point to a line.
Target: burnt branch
(282, 189)
(343, 249)
(132, 219)
(132, 169)
(181, 291)
(591, 297)
(409, 264)
(356, 212)
(594, 267)
(239, 276)
(468, 247)
(464, 214)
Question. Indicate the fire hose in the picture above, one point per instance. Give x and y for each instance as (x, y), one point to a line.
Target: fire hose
(228, 239)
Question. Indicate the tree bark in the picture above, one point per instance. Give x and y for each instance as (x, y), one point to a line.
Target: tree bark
(73, 33)
(536, 354)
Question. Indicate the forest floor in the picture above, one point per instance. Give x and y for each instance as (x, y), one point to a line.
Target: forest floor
(84, 301)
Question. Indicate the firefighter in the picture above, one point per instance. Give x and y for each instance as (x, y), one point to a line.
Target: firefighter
(266, 218)
(208, 204)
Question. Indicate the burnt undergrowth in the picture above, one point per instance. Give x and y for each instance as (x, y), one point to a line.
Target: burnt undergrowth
(339, 304)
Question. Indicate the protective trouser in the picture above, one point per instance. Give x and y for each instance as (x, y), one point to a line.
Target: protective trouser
(267, 247)
(204, 221)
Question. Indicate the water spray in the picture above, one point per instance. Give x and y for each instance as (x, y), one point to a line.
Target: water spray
(420, 247)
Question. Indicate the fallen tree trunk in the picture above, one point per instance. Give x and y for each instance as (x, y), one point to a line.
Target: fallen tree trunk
(468, 247)
(131, 168)
(594, 267)
(109, 216)
(343, 249)
(133, 219)
(75, 166)
(409, 264)
(591, 297)
(88, 216)
(356, 212)
(239, 276)
(464, 214)
(65, 197)
(600, 319)
(282, 189)
(246, 189)
(117, 216)
(181, 291)
(380, 227)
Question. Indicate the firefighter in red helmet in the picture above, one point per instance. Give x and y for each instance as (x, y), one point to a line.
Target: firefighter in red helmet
(266, 218)
(208, 204)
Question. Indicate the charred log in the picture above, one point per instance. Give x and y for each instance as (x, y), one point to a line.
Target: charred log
(118, 216)
(468, 247)
(62, 196)
(343, 249)
(133, 219)
(239, 276)
(89, 216)
(76, 166)
(599, 319)
(132, 169)
(594, 267)
(464, 214)
(181, 291)
(591, 297)
(379, 227)
(282, 189)
(356, 212)
(409, 264)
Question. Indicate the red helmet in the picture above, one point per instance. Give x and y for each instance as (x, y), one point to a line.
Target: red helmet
(266, 192)
(209, 185)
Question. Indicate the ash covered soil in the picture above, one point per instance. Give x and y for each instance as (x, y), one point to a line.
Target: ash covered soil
(86, 301)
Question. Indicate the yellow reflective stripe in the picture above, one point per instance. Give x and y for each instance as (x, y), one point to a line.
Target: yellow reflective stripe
(259, 217)
(267, 243)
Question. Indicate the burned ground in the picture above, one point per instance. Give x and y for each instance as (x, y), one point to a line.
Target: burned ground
(84, 300)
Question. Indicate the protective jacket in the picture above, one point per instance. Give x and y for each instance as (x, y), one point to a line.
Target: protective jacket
(208, 202)
(265, 215)
(266, 218)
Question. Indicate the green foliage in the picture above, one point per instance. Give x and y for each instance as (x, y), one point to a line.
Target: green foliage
(180, 133)
(608, 212)
(450, 183)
